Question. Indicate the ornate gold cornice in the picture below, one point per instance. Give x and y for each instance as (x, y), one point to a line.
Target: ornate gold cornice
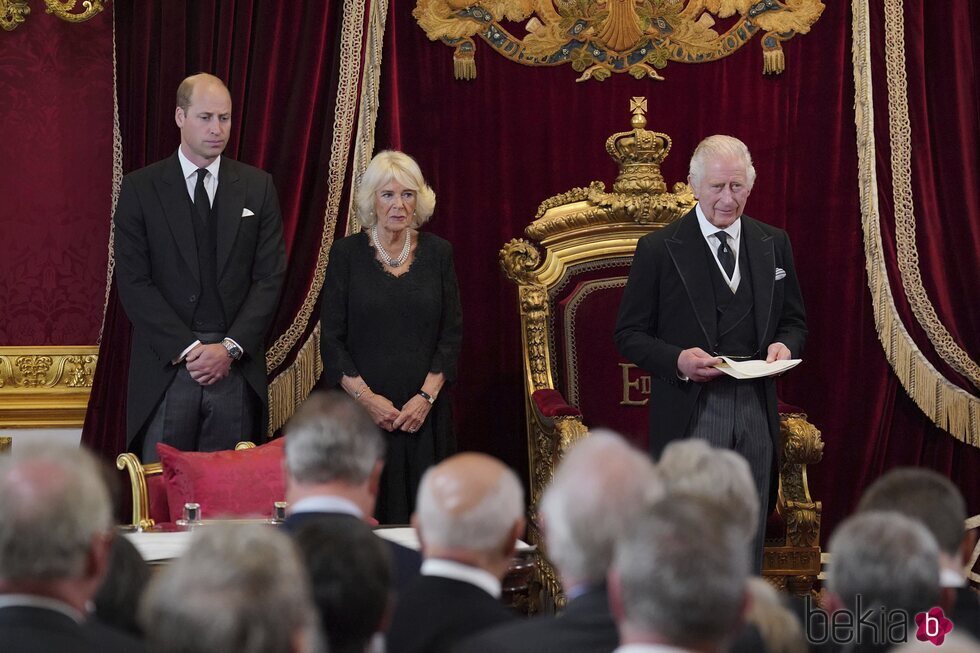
(15, 12)
(45, 387)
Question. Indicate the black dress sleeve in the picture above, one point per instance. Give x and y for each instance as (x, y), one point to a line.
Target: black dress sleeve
(451, 322)
(337, 361)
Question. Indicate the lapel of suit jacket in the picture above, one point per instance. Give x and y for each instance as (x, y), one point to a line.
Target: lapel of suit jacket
(686, 248)
(231, 201)
(172, 190)
(762, 264)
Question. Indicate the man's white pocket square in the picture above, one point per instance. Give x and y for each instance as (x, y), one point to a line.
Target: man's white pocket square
(248, 212)
(780, 273)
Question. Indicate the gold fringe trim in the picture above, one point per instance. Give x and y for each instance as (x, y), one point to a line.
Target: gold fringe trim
(907, 254)
(464, 60)
(293, 385)
(773, 61)
(947, 405)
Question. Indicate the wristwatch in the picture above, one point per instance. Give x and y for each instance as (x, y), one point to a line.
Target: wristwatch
(425, 395)
(234, 351)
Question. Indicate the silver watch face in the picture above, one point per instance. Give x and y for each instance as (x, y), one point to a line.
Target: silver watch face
(233, 350)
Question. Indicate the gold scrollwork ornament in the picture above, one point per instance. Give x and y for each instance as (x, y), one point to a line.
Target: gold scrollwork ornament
(14, 12)
(602, 37)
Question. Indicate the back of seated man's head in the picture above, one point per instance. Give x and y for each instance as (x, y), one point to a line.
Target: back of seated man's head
(679, 576)
(350, 569)
(331, 438)
(599, 487)
(887, 559)
(55, 518)
(236, 588)
(926, 496)
(694, 467)
(469, 502)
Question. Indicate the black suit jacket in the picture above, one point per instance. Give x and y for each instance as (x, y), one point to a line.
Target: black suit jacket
(39, 630)
(159, 281)
(405, 562)
(585, 626)
(668, 306)
(434, 614)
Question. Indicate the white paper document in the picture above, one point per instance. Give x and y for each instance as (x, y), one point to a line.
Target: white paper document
(755, 369)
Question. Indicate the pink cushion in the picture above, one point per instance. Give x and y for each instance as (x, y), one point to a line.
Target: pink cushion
(226, 483)
(156, 491)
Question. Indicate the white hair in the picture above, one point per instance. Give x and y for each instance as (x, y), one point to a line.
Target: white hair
(779, 628)
(600, 486)
(682, 572)
(888, 559)
(330, 438)
(388, 165)
(724, 147)
(480, 528)
(237, 588)
(720, 475)
(53, 502)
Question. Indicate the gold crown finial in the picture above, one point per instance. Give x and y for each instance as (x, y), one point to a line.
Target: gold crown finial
(639, 154)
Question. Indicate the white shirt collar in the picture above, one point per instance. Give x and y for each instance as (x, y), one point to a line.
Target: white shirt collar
(465, 573)
(649, 648)
(951, 578)
(190, 170)
(326, 503)
(708, 229)
(42, 602)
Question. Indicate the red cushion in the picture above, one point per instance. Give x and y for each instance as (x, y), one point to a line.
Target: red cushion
(551, 404)
(225, 483)
(156, 491)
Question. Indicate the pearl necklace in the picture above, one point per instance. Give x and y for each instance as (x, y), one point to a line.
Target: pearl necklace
(383, 253)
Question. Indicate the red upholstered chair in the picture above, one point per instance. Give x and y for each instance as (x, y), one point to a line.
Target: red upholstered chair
(239, 483)
(570, 271)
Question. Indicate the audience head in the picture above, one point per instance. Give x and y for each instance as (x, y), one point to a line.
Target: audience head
(391, 165)
(55, 522)
(118, 598)
(351, 573)
(928, 497)
(778, 627)
(470, 508)
(599, 487)
(236, 588)
(332, 440)
(679, 576)
(891, 561)
(694, 467)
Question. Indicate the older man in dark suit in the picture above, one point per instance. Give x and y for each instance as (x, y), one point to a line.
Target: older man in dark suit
(200, 261)
(716, 282)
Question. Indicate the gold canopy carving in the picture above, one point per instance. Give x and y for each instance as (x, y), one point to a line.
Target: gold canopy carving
(15, 12)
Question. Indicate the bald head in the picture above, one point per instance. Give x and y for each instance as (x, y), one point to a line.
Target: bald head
(470, 501)
(186, 89)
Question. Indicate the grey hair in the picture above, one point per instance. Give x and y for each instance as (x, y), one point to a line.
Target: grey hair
(682, 572)
(53, 502)
(480, 528)
(779, 627)
(888, 559)
(720, 146)
(237, 588)
(388, 165)
(331, 438)
(924, 495)
(600, 486)
(719, 475)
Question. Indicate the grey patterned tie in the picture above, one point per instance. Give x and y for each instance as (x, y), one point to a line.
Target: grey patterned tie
(725, 254)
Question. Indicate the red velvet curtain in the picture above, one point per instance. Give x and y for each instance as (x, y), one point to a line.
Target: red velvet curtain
(495, 147)
(281, 64)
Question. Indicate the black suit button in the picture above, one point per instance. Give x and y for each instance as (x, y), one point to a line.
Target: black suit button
(192, 299)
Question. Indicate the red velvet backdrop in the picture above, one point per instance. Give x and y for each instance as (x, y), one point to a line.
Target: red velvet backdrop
(281, 62)
(56, 81)
(495, 147)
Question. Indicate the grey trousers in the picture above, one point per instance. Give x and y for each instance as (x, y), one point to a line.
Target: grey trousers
(731, 414)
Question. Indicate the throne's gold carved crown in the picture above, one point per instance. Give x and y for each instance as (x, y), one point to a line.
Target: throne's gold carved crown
(639, 154)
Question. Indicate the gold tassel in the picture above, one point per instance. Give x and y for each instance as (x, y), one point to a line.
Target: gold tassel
(773, 61)
(293, 385)
(464, 60)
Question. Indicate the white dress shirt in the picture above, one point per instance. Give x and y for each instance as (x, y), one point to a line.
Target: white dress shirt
(709, 232)
(464, 573)
(326, 504)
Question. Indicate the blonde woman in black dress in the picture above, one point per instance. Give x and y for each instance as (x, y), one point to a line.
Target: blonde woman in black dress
(391, 325)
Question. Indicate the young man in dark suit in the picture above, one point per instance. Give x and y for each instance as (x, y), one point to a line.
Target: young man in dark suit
(716, 282)
(200, 261)
(469, 515)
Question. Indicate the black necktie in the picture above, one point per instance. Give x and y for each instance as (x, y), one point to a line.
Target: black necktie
(725, 254)
(201, 201)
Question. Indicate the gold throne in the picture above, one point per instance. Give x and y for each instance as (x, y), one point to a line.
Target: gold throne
(570, 272)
